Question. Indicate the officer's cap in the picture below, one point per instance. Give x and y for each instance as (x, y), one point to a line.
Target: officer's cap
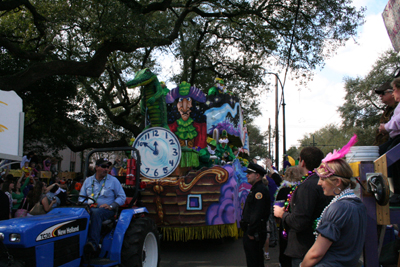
(253, 167)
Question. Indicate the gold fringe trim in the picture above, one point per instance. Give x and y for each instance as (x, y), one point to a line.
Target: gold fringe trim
(241, 233)
(200, 232)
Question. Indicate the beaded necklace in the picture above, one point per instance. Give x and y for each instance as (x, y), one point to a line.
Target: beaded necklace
(101, 189)
(285, 184)
(347, 193)
(289, 197)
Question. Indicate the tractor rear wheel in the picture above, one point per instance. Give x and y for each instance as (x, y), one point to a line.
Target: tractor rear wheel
(141, 246)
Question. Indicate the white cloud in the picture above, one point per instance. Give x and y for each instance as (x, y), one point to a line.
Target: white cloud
(307, 110)
(357, 59)
(310, 110)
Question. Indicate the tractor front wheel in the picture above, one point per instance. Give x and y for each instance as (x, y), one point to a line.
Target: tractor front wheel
(141, 244)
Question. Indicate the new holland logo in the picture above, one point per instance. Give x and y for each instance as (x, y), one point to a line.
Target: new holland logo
(61, 229)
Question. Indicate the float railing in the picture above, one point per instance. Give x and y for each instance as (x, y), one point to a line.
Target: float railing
(378, 217)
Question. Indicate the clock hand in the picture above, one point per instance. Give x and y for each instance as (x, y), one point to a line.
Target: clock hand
(147, 145)
(155, 152)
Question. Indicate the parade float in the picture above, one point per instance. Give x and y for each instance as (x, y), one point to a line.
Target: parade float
(195, 184)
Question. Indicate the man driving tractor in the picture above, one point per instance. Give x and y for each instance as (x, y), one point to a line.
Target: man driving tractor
(104, 195)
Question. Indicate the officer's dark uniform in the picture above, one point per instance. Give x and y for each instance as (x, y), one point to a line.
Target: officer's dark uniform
(254, 219)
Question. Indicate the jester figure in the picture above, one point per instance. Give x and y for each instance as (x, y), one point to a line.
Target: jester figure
(223, 151)
(152, 105)
(189, 126)
(207, 157)
(219, 88)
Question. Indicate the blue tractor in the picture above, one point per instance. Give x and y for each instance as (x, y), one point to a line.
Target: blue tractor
(58, 237)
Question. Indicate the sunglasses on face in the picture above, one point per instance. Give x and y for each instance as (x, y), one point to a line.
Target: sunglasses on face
(385, 92)
(104, 166)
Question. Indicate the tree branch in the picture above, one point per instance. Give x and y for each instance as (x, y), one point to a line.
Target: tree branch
(37, 18)
(37, 71)
(77, 148)
(18, 52)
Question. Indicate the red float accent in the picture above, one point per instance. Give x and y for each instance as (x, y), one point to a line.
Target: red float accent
(130, 172)
(143, 185)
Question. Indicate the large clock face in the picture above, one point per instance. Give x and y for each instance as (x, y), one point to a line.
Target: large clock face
(160, 152)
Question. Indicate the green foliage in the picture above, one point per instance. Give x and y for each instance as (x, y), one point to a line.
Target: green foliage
(258, 142)
(327, 139)
(96, 46)
(294, 152)
(333, 137)
(362, 107)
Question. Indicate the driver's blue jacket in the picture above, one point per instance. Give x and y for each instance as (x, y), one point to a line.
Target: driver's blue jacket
(107, 191)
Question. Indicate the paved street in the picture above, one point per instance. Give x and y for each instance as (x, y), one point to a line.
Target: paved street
(210, 253)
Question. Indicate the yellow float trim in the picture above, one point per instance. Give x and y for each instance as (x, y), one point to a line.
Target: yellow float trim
(200, 232)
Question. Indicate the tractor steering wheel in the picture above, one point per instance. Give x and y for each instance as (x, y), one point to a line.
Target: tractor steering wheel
(80, 203)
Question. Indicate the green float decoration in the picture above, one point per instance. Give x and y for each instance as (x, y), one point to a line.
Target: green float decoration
(185, 130)
(218, 88)
(189, 157)
(153, 103)
(164, 87)
(207, 155)
(223, 151)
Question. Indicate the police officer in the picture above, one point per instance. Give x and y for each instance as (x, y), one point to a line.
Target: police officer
(255, 216)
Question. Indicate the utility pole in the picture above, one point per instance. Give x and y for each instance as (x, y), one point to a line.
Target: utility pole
(313, 141)
(276, 120)
(284, 123)
(276, 125)
(269, 137)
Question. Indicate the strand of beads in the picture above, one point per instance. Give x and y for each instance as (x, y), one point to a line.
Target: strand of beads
(347, 193)
(285, 184)
(294, 188)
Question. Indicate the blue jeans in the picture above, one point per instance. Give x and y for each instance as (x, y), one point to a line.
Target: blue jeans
(272, 227)
(97, 216)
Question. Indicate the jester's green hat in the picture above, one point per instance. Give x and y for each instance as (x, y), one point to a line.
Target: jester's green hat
(211, 141)
(219, 80)
(184, 88)
(224, 134)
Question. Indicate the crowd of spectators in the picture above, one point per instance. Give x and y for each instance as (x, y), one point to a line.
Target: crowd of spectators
(25, 191)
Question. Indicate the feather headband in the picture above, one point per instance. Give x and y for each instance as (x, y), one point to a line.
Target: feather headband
(342, 152)
(324, 170)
